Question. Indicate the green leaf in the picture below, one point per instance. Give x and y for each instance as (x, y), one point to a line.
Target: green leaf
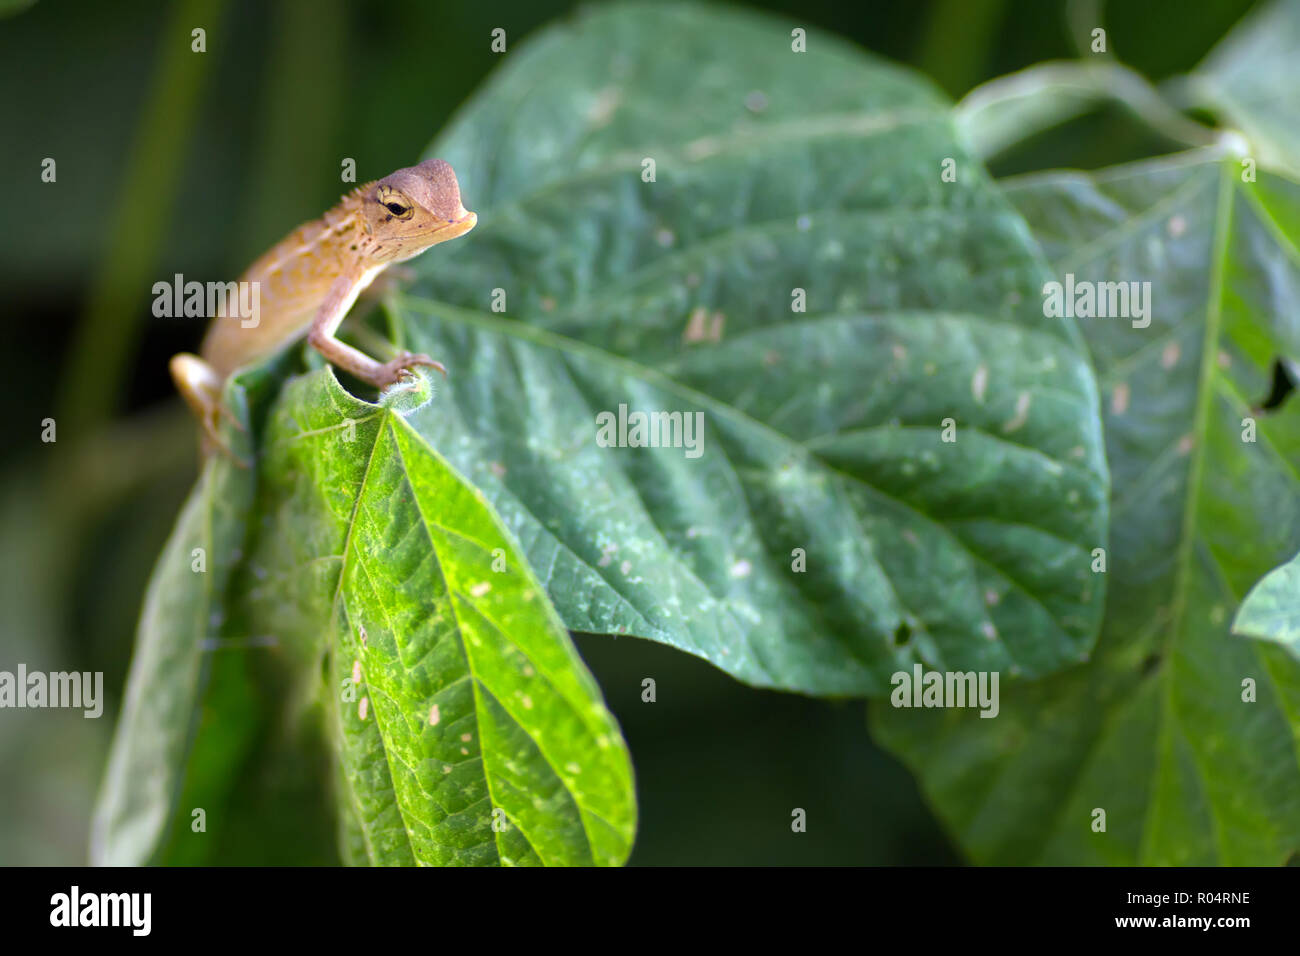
(175, 735)
(1271, 611)
(1184, 735)
(179, 627)
(774, 171)
(1252, 79)
(455, 697)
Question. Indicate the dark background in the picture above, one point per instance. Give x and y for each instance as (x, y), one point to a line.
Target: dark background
(173, 162)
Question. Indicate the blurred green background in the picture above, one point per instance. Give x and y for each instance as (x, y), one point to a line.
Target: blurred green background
(172, 162)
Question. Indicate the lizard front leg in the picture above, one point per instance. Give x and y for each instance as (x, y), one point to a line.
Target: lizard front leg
(342, 294)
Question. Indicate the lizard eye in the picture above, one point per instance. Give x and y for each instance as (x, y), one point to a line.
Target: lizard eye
(398, 205)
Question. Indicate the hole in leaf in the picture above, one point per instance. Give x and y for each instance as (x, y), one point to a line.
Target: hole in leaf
(1281, 388)
(902, 634)
(1150, 665)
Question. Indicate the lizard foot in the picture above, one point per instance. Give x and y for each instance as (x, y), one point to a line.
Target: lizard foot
(400, 367)
(200, 386)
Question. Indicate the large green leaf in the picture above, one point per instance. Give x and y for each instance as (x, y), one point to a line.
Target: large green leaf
(456, 700)
(1271, 611)
(774, 171)
(1184, 735)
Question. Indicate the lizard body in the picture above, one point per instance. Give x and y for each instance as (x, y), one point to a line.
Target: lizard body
(308, 281)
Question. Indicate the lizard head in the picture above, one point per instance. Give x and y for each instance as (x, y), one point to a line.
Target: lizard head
(414, 208)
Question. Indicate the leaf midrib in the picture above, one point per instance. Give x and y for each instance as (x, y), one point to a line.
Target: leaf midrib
(1191, 505)
(479, 685)
(336, 624)
(829, 125)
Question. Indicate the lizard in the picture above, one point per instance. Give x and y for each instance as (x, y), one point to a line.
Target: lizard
(309, 280)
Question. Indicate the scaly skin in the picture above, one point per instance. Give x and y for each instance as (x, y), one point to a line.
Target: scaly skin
(308, 281)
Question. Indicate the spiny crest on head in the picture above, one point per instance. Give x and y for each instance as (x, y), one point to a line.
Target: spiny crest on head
(358, 192)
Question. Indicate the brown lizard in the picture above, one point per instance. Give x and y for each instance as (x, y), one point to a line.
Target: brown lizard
(308, 281)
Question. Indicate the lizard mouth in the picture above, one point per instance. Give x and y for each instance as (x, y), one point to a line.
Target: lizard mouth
(430, 234)
(457, 226)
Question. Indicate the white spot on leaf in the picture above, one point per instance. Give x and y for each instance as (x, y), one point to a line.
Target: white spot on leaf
(1119, 399)
(603, 107)
(979, 382)
(1021, 415)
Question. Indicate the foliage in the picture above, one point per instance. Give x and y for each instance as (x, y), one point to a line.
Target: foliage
(361, 649)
